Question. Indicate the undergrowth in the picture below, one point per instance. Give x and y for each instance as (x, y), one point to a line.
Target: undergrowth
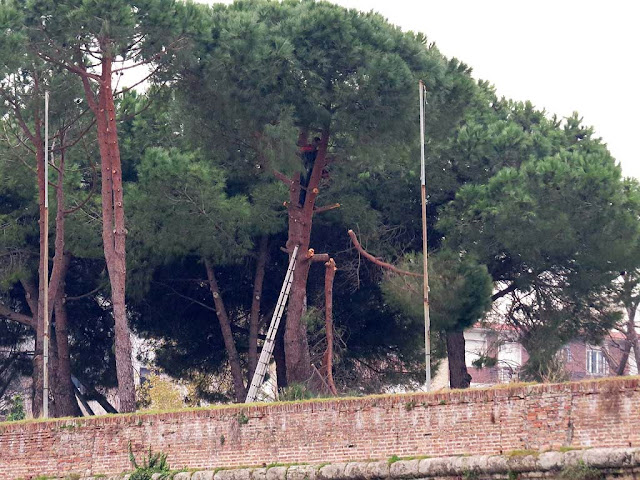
(152, 463)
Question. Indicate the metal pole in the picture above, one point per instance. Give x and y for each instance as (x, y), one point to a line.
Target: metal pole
(423, 194)
(45, 266)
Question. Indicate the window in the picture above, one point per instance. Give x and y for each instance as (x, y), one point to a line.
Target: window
(506, 375)
(145, 373)
(568, 355)
(510, 354)
(596, 364)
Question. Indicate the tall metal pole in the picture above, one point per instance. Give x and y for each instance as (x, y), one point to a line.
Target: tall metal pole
(45, 266)
(423, 194)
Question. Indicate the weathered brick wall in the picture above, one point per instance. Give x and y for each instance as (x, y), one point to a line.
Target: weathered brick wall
(603, 413)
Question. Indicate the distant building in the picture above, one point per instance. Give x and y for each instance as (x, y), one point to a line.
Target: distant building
(578, 359)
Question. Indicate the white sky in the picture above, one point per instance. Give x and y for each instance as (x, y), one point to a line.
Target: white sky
(563, 55)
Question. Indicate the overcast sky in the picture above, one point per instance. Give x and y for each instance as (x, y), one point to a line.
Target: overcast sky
(563, 55)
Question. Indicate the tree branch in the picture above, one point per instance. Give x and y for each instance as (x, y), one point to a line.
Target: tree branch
(90, 194)
(282, 177)
(505, 291)
(131, 87)
(31, 295)
(186, 297)
(9, 314)
(377, 261)
(84, 295)
(72, 68)
(319, 257)
(326, 208)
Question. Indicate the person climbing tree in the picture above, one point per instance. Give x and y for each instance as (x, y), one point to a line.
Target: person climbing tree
(308, 153)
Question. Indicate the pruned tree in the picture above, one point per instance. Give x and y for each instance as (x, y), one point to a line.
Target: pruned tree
(343, 81)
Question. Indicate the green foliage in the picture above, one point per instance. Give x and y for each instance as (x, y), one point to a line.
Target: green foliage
(484, 361)
(460, 290)
(179, 192)
(580, 471)
(522, 453)
(151, 463)
(471, 474)
(242, 418)
(531, 202)
(295, 392)
(158, 393)
(16, 411)
(410, 405)
(552, 224)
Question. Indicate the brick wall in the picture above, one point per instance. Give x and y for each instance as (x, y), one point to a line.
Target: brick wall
(602, 413)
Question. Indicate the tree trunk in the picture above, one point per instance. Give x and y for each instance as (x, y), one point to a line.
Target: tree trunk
(327, 366)
(113, 231)
(458, 375)
(632, 335)
(227, 336)
(67, 406)
(279, 357)
(54, 391)
(66, 399)
(296, 344)
(621, 366)
(254, 318)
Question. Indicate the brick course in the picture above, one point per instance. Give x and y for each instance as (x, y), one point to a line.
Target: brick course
(603, 413)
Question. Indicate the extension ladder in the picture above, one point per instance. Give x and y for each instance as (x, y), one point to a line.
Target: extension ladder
(269, 343)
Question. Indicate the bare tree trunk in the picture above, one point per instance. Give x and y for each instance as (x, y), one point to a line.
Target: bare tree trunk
(279, 357)
(458, 375)
(31, 296)
(113, 228)
(621, 366)
(254, 318)
(66, 399)
(296, 344)
(327, 366)
(227, 336)
(632, 335)
(54, 393)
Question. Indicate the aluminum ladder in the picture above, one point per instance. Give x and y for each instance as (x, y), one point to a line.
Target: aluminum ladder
(270, 340)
